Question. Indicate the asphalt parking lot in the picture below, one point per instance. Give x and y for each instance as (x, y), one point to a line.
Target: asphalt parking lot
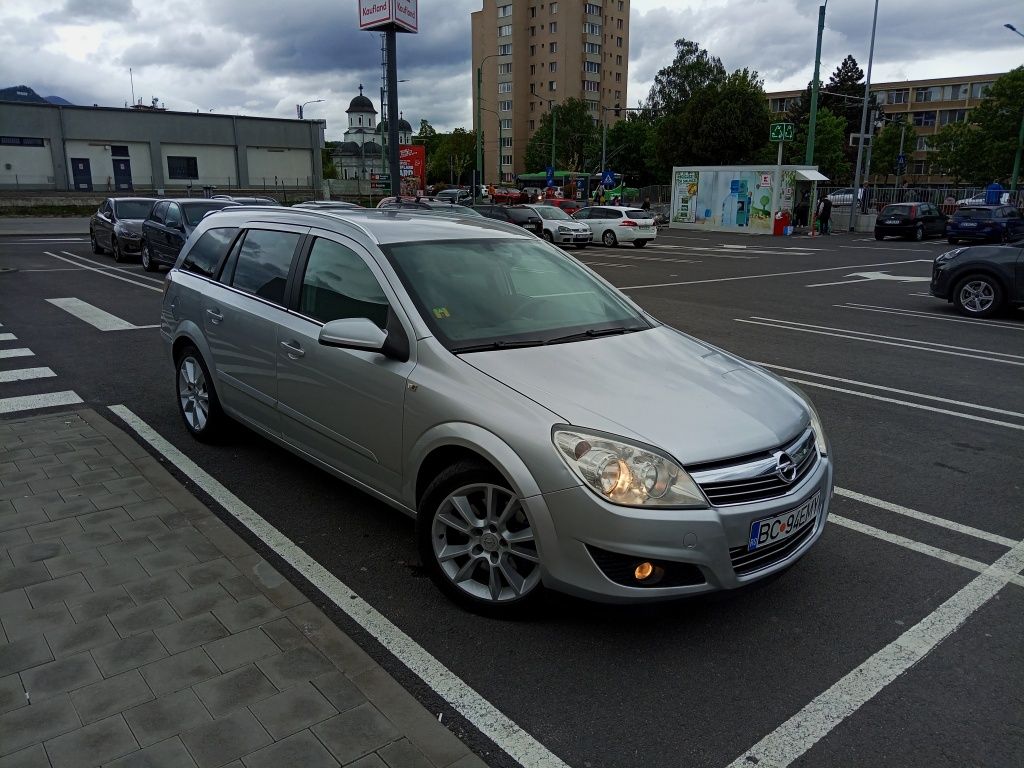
(895, 641)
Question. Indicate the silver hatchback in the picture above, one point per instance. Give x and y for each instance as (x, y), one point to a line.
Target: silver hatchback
(543, 429)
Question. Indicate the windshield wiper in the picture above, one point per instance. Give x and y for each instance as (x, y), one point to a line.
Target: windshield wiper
(492, 345)
(592, 333)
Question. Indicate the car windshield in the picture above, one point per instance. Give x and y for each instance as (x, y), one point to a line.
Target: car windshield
(898, 210)
(502, 292)
(133, 209)
(551, 212)
(975, 213)
(194, 212)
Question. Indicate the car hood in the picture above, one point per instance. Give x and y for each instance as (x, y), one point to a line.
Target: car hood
(657, 386)
(570, 223)
(132, 225)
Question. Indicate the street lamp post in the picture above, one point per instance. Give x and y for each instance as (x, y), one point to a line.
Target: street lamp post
(812, 121)
(854, 201)
(1020, 135)
(302, 107)
(499, 141)
(554, 124)
(479, 126)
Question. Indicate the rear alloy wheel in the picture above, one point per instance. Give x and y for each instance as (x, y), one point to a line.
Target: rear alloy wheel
(919, 232)
(92, 241)
(639, 243)
(978, 296)
(197, 402)
(609, 239)
(147, 258)
(477, 541)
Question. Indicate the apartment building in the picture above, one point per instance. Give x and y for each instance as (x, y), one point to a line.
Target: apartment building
(928, 105)
(537, 53)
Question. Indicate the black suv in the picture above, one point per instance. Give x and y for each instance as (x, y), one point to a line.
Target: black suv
(980, 280)
(515, 214)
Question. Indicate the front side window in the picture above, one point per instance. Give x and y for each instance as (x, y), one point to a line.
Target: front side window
(488, 291)
(173, 216)
(263, 263)
(204, 257)
(338, 284)
(159, 211)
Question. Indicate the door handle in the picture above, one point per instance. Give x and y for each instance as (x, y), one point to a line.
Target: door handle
(293, 350)
(215, 316)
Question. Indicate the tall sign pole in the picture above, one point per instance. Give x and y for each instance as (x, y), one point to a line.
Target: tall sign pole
(855, 197)
(391, 17)
(815, 85)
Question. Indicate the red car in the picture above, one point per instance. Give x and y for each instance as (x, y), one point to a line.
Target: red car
(567, 205)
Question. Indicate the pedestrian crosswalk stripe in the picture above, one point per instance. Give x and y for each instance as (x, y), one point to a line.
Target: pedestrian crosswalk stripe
(24, 374)
(8, 337)
(22, 352)
(31, 402)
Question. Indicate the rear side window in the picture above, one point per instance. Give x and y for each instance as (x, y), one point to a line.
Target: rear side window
(338, 284)
(263, 263)
(205, 256)
(639, 213)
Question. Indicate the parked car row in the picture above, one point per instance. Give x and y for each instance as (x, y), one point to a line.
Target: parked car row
(916, 221)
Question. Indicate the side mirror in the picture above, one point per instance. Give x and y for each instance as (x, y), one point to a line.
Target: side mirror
(353, 333)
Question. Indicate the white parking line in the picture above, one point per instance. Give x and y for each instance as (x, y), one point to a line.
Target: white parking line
(30, 402)
(894, 390)
(94, 316)
(132, 272)
(928, 315)
(789, 327)
(951, 525)
(490, 721)
(772, 274)
(604, 264)
(105, 273)
(883, 248)
(25, 374)
(9, 353)
(803, 730)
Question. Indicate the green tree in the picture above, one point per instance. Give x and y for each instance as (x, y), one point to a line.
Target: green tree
(452, 156)
(886, 148)
(998, 120)
(693, 69)
(330, 171)
(577, 139)
(958, 148)
(629, 149)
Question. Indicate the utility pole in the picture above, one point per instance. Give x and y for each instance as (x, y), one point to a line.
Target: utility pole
(1016, 158)
(815, 84)
(479, 173)
(393, 167)
(854, 200)
(554, 122)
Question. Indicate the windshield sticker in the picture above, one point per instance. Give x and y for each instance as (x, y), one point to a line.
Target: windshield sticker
(441, 313)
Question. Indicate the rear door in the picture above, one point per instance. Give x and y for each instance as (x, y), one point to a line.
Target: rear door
(152, 227)
(173, 234)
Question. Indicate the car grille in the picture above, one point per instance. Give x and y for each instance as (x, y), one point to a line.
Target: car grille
(744, 562)
(755, 478)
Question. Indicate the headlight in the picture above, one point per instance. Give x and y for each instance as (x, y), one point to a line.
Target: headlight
(562, 228)
(942, 258)
(819, 432)
(626, 473)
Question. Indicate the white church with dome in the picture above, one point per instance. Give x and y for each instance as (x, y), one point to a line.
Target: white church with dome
(362, 150)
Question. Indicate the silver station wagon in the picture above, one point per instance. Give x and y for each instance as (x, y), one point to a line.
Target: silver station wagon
(543, 429)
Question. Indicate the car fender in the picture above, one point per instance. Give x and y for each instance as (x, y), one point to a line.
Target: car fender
(188, 329)
(980, 268)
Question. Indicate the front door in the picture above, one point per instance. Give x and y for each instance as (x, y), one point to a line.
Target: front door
(122, 174)
(342, 406)
(81, 174)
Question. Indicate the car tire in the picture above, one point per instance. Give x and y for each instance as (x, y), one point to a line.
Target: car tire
(639, 243)
(477, 542)
(549, 237)
(148, 263)
(96, 247)
(197, 400)
(919, 233)
(879, 236)
(952, 241)
(978, 295)
(609, 239)
(115, 250)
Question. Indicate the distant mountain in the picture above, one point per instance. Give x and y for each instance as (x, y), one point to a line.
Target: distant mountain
(26, 95)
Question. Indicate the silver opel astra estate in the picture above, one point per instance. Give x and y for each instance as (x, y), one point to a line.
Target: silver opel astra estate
(543, 429)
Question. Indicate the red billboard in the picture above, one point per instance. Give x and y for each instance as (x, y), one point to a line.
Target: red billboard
(412, 163)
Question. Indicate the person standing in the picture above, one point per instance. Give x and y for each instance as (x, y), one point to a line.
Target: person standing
(646, 205)
(994, 193)
(824, 215)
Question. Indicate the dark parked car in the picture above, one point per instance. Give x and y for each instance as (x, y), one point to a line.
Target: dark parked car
(169, 225)
(988, 223)
(117, 226)
(247, 200)
(914, 221)
(980, 280)
(514, 214)
(439, 205)
(323, 205)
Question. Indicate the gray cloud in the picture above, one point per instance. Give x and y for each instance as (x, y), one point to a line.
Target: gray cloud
(181, 49)
(90, 11)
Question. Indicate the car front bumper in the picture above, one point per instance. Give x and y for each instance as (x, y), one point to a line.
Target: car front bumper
(128, 244)
(575, 238)
(575, 529)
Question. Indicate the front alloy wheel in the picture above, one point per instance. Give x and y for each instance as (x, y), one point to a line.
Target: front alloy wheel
(147, 259)
(478, 541)
(978, 296)
(115, 249)
(94, 243)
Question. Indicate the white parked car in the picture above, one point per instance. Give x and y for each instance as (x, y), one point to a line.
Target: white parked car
(560, 228)
(842, 197)
(614, 224)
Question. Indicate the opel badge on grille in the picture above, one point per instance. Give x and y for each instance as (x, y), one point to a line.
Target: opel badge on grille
(785, 467)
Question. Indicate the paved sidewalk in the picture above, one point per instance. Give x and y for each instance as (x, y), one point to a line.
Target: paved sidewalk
(136, 629)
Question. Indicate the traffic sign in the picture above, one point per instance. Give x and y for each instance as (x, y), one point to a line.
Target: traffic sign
(551, 176)
(901, 159)
(608, 179)
(380, 177)
(782, 132)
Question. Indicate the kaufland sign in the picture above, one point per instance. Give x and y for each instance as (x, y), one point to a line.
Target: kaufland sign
(400, 15)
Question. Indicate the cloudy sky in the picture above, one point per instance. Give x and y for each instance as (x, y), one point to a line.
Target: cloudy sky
(261, 57)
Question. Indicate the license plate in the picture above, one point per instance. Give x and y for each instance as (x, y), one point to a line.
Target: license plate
(892, 221)
(772, 530)
(968, 224)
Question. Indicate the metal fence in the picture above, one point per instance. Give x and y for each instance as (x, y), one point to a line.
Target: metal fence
(873, 199)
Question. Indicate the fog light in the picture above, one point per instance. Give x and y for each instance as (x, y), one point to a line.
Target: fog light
(643, 571)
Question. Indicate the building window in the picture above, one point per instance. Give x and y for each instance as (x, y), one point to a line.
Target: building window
(505, 50)
(592, 105)
(618, 42)
(506, 159)
(618, 60)
(532, 105)
(533, 50)
(591, 86)
(504, 87)
(505, 106)
(552, 85)
(182, 167)
(592, 48)
(923, 118)
(504, 30)
(620, 5)
(618, 24)
(533, 31)
(920, 167)
(506, 141)
(504, 11)
(505, 69)
(593, 67)
(922, 143)
(592, 9)
(118, 150)
(954, 92)
(592, 29)
(948, 116)
(553, 7)
(618, 77)
(618, 95)
(533, 69)
(778, 105)
(899, 97)
(553, 27)
(926, 94)
(980, 90)
(20, 141)
(533, 11)
(533, 124)
(506, 124)
(553, 66)
(553, 48)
